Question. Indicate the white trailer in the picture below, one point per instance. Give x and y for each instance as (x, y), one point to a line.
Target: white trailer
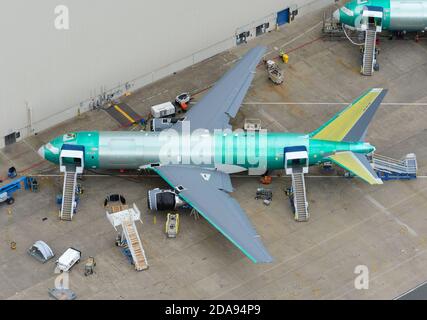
(163, 110)
(68, 259)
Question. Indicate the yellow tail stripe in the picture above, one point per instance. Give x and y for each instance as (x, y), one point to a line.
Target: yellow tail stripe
(348, 161)
(124, 114)
(341, 126)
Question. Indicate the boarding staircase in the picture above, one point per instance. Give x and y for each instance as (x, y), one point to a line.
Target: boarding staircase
(126, 219)
(69, 193)
(71, 163)
(135, 245)
(369, 50)
(299, 195)
(393, 169)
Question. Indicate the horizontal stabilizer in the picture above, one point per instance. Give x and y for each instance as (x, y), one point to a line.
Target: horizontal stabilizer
(357, 164)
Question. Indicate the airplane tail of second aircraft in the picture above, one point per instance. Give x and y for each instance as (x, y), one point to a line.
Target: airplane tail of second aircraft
(351, 125)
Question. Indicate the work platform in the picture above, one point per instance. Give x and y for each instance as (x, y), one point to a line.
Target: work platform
(129, 238)
(392, 169)
(296, 165)
(369, 52)
(299, 196)
(71, 164)
(365, 36)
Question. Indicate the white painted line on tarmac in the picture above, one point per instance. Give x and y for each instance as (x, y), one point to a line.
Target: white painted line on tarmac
(7, 158)
(30, 146)
(297, 37)
(409, 291)
(396, 266)
(391, 215)
(273, 120)
(324, 241)
(421, 104)
(105, 175)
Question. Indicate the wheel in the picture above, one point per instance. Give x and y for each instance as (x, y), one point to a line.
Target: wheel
(78, 261)
(10, 201)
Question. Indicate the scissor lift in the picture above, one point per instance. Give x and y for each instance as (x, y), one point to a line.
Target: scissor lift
(7, 190)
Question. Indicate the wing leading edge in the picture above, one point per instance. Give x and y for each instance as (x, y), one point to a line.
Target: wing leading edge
(206, 190)
(223, 101)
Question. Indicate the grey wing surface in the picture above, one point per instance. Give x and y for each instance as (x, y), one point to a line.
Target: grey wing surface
(206, 190)
(223, 101)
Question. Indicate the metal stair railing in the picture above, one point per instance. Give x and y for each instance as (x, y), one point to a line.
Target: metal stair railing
(369, 51)
(405, 166)
(68, 193)
(299, 193)
(134, 244)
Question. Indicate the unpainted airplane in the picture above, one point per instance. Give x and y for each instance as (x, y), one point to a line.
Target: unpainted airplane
(199, 170)
(392, 15)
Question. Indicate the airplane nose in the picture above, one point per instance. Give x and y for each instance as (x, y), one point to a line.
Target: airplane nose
(41, 151)
(336, 15)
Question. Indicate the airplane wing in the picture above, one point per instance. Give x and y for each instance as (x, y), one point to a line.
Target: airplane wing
(207, 191)
(357, 164)
(223, 101)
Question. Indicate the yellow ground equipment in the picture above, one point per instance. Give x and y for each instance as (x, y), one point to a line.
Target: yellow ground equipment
(284, 56)
(172, 225)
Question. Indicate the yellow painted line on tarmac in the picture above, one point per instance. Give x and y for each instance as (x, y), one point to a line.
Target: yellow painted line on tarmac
(124, 114)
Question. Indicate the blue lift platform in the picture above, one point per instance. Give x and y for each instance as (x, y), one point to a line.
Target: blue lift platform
(7, 190)
(392, 169)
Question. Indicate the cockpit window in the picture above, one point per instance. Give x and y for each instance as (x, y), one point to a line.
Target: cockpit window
(347, 11)
(52, 148)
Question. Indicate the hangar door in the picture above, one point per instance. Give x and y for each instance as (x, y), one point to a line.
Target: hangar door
(283, 17)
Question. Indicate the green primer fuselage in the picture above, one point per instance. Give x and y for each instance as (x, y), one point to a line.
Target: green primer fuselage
(399, 15)
(133, 150)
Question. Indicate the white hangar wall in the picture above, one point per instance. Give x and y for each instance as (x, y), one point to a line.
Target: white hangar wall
(47, 75)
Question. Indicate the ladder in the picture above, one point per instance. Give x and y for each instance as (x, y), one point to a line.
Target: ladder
(68, 193)
(369, 51)
(393, 169)
(134, 244)
(299, 195)
(126, 217)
